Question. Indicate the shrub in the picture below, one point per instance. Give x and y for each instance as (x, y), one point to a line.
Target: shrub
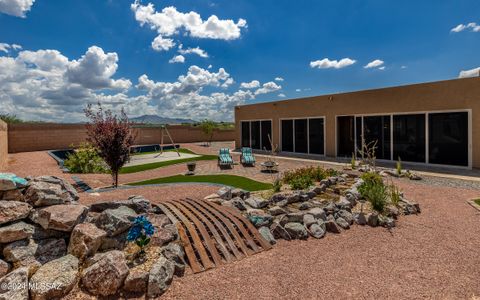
(277, 185)
(399, 166)
(301, 182)
(394, 194)
(375, 193)
(85, 160)
(372, 177)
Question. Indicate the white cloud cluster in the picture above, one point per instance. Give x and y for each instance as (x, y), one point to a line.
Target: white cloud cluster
(196, 50)
(170, 22)
(17, 8)
(279, 79)
(470, 73)
(474, 27)
(268, 87)
(377, 63)
(250, 85)
(4, 47)
(177, 59)
(327, 63)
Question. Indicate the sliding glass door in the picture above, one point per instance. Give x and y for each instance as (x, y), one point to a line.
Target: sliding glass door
(287, 135)
(448, 138)
(255, 134)
(266, 135)
(316, 136)
(376, 133)
(409, 138)
(303, 136)
(245, 134)
(345, 136)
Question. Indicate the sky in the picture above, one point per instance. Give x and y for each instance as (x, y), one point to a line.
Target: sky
(198, 59)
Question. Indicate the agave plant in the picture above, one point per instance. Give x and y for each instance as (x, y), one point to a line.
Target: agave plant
(141, 232)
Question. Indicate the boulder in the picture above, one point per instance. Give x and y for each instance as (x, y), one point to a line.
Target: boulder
(17, 278)
(319, 189)
(342, 223)
(279, 231)
(332, 226)
(160, 277)
(296, 231)
(34, 253)
(41, 234)
(343, 203)
(225, 193)
(117, 242)
(311, 194)
(50, 190)
(293, 198)
(386, 221)
(267, 235)
(316, 231)
(175, 253)
(308, 220)
(85, 240)
(138, 203)
(242, 194)
(277, 197)
(305, 206)
(116, 221)
(236, 203)
(13, 210)
(165, 235)
(360, 218)
(10, 181)
(4, 268)
(56, 278)
(136, 281)
(296, 217)
(346, 215)
(261, 220)
(257, 202)
(16, 231)
(106, 275)
(62, 217)
(330, 208)
(159, 220)
(372, 219)
(7, 184)
(12, 195)
(392, 211)
(276, 210)
(318, 213)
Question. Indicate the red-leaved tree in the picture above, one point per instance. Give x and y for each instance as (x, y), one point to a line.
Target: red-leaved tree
(111, 135)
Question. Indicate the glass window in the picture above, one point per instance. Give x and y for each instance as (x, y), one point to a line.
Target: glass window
(409, 137)
(358, 134)
(376, 130)
(301, 138)
(448, 138)
(287, 135)
(316, 136)
(255, 132)
(245, 134)
(345, 136)
(266, 133)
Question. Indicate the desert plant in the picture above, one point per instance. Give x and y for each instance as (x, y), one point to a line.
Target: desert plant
(375, 193)
(372, 177)
(10, 119)
(112, 136)
(394, 194)
(367, 152)
(301, 182)
(85, 159)
(353, 162)
(277, 185)
(208, 128)
(398, 166)
(141, 232)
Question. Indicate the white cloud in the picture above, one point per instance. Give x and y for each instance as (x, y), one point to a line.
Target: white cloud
(281, 95)
(170, 22)
(469, 73)
(327, 63)
(298, 90)
(278, 79)
(474, 27)
(210, 66)
(196, 50)
(403, 67)
(177, 59)
(17, 8)
(250, 85)
(4, 47)
(374, 64)
(268, 87)
(382, 68)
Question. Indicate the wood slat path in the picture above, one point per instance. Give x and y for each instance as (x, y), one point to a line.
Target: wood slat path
(213, 234)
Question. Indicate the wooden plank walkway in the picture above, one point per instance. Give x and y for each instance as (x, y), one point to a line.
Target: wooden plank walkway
(213, 234)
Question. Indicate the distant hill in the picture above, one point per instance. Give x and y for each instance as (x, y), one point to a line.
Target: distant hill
(154, 119)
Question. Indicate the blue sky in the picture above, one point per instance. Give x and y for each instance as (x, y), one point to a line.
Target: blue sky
(316, 47)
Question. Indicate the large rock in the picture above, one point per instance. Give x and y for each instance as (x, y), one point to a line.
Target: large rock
(296, 231)
(296, 217)
(12, 195)
(318, 213)
(165, 235)
(41, 234)
(13, 210)
(4, 268)
(276, 210)
(136, 281)
(257, 202)
(16, 231)
(106, 275)
(61, 217)
(242, 194)
(175, 253)
(138, 203)
(360, 218)
(85, 240)
(55, 279)
(261, 220)
(267, 235)
(225, 193)
(7, 184)
(50, 190)
(17, 278)
(279, 231)
(308, 220)
(372, 219)
(332, 226)
(160, 278)
(347, 216)
(342, 223)
(116, 221)
(10, 181)
(317, 231)
(117, 242)
(236, 203)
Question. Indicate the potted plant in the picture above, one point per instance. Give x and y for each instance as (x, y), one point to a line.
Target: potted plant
(141, 232)
(191, 167)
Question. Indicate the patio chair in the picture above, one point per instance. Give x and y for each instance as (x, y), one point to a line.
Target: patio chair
(224, 158)
(247, 158)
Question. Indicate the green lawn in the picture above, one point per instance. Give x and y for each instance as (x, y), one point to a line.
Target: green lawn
(181, 150)
(150, 166)
(477, 201)
(231, 180)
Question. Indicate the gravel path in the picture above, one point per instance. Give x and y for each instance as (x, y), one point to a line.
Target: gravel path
(432, 255)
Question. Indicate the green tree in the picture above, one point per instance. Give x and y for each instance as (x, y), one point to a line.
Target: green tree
(208, 128)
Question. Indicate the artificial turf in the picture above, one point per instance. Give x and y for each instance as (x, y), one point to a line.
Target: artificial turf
(150, 166)
(477, 201)
(181, 150)
(230, 180)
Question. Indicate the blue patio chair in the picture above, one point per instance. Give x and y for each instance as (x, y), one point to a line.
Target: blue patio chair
(224, 158)
(247, 158)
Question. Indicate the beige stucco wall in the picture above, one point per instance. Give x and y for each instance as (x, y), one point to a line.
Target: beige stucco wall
(35, 137)
(3, 145)
(436, 96)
